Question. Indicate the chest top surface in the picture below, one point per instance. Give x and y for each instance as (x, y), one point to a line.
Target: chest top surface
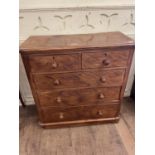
(80, 41)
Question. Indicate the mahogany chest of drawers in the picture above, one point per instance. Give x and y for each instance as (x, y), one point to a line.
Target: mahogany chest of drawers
(77, 79)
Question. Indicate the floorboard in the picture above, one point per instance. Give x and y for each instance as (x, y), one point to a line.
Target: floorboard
(106, 139)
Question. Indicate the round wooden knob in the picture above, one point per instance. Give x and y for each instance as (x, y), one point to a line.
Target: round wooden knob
(56, 82)
(101, 96)
(100, 113)
(103, 79)
(61, 115)
(58, 100)
(106, 62)
(105, 54)
(54, 65)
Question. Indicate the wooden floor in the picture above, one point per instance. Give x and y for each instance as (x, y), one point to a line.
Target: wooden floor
(106, 139)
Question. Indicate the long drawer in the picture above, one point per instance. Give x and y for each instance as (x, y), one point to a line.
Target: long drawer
(56, 114)
(98, 78)
(79, 96)
(101, 59)
(54, 63)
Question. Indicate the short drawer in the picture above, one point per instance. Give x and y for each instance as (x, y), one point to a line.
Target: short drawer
(79, 113)
(100, 78)
(54, 63)
(105, 59)
(79, 96)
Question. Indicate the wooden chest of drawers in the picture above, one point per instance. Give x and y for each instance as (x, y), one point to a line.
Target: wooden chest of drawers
(77, 79)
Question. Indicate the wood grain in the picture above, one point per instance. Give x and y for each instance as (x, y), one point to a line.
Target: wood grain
(126, 136)
(54, 63)
(58, 114)
(102, 59)
(41, 44)
(86, 140)
(71, 72)
(78, 97)
(92, 78)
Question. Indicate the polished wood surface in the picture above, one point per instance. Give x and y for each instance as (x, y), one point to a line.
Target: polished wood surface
(79, 97)
(91, 78)
(54, 63)
(58, 114)
(80, 84)
(79, 41)
(103, 139)
(101, 59)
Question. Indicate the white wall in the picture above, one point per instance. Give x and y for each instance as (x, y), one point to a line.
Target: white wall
(54, 17)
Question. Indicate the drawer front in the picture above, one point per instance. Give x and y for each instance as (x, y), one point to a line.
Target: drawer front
(79, 97)
(79, 113)
(54, 63)
(105, 59)
(48, 82)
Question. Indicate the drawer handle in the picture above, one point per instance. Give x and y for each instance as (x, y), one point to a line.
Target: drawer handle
(56, 82)
(106, 62)
(103, 79)
(54, 65)
(101, 96)
(58, 100)
(61, 115)
(100, 113)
